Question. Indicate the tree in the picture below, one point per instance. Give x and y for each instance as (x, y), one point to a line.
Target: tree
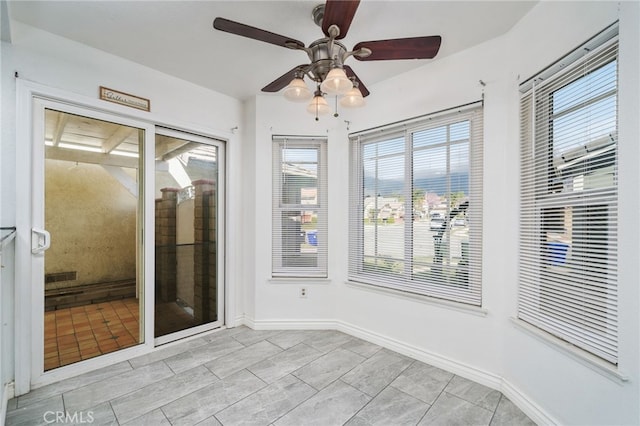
(417, 198)
(456, 198)
(433, 199)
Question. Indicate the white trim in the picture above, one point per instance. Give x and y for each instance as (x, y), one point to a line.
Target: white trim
(249, 322)
(147, 237)
(295, 324)
(8, 392)
(180, 336)
(442, 303)
(237, 321)
(22, 313)
(585, 358)
(300, 280)
(524, 403)
(488, 379)
(461, 369)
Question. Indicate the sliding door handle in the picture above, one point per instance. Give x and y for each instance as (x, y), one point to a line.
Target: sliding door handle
(40, 240)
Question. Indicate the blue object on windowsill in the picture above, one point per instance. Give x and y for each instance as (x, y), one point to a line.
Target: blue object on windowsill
(312, 237)
(557, 252)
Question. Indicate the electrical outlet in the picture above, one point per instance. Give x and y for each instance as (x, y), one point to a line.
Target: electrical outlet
(303, 292)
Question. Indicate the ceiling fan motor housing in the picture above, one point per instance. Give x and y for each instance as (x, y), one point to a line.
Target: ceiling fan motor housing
(324, 55)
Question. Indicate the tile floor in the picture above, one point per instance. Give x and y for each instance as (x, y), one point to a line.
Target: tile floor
(242, 376)
(82, 332)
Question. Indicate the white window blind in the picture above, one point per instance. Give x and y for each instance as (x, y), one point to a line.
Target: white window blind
(416, 206)
(569, 200)
(299, 207)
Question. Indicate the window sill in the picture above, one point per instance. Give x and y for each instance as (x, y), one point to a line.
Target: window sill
(460, 307)
(596, 364)
(298, 280)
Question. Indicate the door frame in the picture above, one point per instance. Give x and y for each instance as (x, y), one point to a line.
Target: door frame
(144, 240)
(220, 241)
(27, 376)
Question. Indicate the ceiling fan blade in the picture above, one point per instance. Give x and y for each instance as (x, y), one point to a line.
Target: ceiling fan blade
(350, 73)
(282, 81)
(340, 13)
(400, 48)
(237, 28)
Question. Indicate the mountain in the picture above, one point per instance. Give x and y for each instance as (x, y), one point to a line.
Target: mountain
(437, 184)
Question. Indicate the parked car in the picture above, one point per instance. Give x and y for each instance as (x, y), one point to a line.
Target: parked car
(436, 223)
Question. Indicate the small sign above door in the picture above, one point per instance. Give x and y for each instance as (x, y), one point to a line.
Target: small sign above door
(124, 99)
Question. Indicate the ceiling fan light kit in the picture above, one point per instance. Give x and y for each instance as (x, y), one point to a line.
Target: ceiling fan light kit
(297, 91)
(327, 56)
(318, 106)
(352, 99)
(336, 82)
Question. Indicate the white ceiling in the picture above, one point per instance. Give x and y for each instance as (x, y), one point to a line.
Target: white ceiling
(177, 37)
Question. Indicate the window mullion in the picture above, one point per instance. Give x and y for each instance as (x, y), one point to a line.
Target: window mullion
(408, 209)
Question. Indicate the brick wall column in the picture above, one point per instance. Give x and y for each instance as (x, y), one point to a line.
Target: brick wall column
(205, 266)
(166, 263)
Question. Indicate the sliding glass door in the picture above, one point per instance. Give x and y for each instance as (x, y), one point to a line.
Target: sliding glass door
(127, 238)
(189, 207)
(92, 215)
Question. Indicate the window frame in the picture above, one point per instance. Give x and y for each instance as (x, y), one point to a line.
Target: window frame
(408, 282)
(278, 268)
(559, 299)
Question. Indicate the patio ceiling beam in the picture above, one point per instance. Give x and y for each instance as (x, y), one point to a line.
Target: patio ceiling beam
(77, 156)
(59, 130)
(119, 136)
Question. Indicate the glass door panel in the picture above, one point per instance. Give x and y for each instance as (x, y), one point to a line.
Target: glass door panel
(92, 213)
(188, 271)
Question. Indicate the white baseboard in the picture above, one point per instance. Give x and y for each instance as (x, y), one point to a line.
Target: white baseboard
(494, 381)
(8, 392)
(491, 380)
(468, 372)
(238, 321)
(530, 408)
(293, 325)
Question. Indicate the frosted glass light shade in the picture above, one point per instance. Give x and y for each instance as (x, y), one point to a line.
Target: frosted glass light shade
(297, 91)
(352, 99)
(318, 106)
(336, 82)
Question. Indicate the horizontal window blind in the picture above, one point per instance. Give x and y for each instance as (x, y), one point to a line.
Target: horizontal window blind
(416, 206)
(568, 213)
(299, 207)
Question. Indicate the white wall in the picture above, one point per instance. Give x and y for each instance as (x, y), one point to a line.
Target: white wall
(549, 384)
(277, 300)
(488, 348)
(62, 64)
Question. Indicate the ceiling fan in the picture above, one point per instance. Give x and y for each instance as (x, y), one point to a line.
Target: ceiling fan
(327, 55)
